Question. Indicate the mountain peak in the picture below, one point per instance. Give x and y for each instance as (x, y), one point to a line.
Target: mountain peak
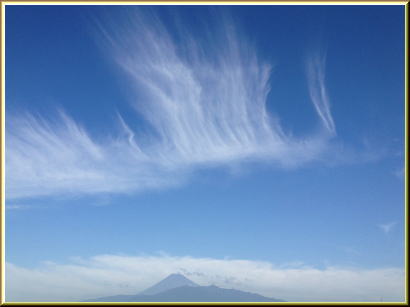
(172, 281)
(176, 275)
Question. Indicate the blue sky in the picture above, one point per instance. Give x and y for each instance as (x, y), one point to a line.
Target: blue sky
(262, 133)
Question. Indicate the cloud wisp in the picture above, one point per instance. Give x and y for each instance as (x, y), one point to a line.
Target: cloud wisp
(105, 275)
(386, 228)
(205, 103)
(317, 90)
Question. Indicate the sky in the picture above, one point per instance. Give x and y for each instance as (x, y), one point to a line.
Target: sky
(259, 148)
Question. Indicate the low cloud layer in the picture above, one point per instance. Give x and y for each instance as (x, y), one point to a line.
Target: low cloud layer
(204, 101)
(105, 275)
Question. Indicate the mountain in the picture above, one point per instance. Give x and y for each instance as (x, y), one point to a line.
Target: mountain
(178, 288)
(170, 282)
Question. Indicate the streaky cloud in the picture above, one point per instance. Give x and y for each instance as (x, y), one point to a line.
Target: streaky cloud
(204, 99)
(317, 89)
(60, 158)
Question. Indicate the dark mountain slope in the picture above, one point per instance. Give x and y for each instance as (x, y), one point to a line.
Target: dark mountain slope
(192, 294)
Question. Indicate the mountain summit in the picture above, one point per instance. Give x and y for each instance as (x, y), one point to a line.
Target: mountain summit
(168, 283)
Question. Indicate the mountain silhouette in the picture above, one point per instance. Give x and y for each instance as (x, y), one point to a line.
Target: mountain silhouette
(178, 288)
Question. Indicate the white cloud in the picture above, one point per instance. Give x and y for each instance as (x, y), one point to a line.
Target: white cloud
(106, 275)
(48, 158)
(399, 173)
(205, 103)
(317, 90)
(387, 227)
(16, 207)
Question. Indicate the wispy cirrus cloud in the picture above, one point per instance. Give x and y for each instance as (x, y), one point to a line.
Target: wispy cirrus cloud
(59, 158)
(105, 275)
(16, 207)
(386, 228)
(204, 100)
(317, 90)
(399, 173)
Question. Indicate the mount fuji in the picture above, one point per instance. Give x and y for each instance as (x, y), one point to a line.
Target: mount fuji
(178, 288)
